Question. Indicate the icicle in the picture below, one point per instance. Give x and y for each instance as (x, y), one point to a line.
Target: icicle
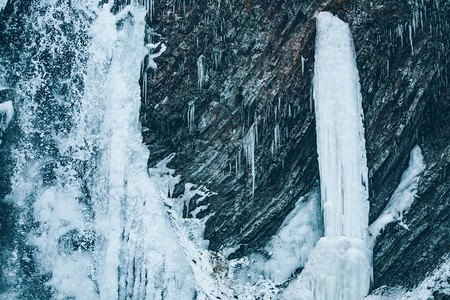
(387, 67)
(239, 158)
(150, 6)
(276, 134)
(190, 115)
(400, 33)
(410, 39)
(201, 70)
(303, 65)
(249, 152)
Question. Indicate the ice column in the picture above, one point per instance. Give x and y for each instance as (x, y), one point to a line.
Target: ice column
(340, 265)
(340, 132)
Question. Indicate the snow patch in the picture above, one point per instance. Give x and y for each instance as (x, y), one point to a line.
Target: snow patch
(437, 281)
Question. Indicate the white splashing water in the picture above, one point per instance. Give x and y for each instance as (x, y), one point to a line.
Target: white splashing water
(60, 230)
(340, 264)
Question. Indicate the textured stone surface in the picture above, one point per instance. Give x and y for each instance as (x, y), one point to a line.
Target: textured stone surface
(253, 52)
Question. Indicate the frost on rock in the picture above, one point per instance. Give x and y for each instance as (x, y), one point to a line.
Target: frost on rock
(340, 264)
(403, 196)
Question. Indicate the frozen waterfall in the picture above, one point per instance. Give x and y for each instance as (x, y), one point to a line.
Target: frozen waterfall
(340, 133)
(340, 265)
(106, 227)
(103, 227)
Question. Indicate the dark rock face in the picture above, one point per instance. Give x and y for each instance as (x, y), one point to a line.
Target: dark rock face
(257, 59)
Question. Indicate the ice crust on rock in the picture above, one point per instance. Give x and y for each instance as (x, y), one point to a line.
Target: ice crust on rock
(291, 246)
(403, 196)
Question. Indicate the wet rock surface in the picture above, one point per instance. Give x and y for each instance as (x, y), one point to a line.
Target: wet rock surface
(233, 64)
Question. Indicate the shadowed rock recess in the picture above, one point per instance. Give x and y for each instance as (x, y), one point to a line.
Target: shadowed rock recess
(231, 64)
